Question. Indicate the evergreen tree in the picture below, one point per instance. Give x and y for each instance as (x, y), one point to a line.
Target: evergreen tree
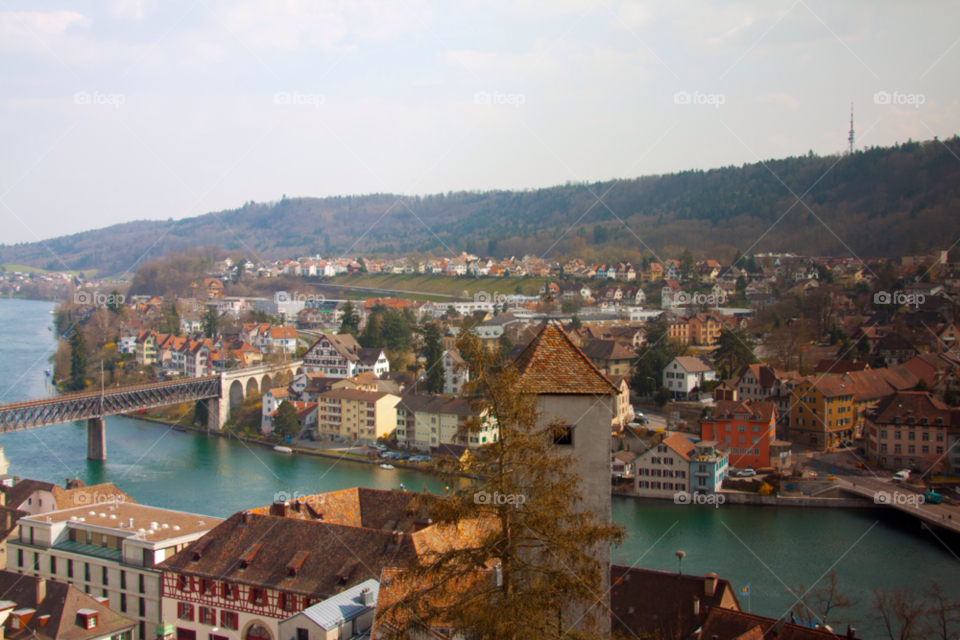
(432, 352)
(351, 321)
(504, 345)
(371, 337)
(210, 321)
(576, 323)
(78, 361)
(114, 302)
(688, 266)
(396, 331)
(734, 350)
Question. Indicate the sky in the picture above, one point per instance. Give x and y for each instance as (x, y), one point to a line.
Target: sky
(121, 110)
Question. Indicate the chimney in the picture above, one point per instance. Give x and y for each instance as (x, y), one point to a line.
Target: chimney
(851, 633)
(130, 522)
(696, 606)
(366, 596)
(710, 584)
(41, 591)
(279, 509)
(247, 517)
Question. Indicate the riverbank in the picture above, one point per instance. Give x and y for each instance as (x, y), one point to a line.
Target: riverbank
(745, 498)
(348, 457)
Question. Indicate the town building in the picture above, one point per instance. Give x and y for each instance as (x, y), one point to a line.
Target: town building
(708, 467)
(261, 567)
(348, 614)
(40, 609)
(356, 416)
(341, 356)
(685, 374)
(610, 356)
(907, 427)
(821, 412)
(108, 550)
(428, 421)
(746, 430)
(663, 470)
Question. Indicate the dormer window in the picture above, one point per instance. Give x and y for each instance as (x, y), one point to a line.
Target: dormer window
(88, 618)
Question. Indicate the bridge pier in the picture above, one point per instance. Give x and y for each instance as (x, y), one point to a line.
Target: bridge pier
(96, 440)
(218, 412)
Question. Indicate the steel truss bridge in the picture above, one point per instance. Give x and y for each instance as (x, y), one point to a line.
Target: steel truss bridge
(87, 405)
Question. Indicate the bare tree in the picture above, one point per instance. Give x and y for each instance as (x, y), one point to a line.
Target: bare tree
(821, 600)
(900, 613)
(943, 614)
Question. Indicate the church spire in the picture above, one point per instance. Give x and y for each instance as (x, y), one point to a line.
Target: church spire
(851, 139)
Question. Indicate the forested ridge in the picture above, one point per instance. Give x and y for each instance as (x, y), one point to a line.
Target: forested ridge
(880, 202)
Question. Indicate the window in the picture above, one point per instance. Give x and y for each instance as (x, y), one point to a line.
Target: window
(565, 437)
(53, 565)
(19, 557)
(140, 580)
(257, 596)
(69, 568)
(123, 603)
(183, 583)
(86, 571)
(208, 616)
(228, 620)
(105, 576)
(185, 611)
(142, 608)
(302, 634)
(123, 579)
(288, 602)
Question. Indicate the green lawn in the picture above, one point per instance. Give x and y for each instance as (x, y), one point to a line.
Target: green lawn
(460, 287)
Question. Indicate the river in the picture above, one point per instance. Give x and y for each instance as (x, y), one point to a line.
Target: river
(763, 547)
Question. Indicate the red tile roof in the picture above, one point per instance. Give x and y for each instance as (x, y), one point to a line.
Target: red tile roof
(552, 365)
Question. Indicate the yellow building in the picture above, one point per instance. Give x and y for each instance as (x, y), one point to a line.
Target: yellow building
(146, 348)
(424, 422)
(704, 329)
(355, 416)
(821, 412)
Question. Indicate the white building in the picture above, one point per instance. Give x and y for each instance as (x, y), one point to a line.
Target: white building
(663, 470)
(686, 373)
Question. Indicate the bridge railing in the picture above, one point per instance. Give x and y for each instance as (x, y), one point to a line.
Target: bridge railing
(81, 395)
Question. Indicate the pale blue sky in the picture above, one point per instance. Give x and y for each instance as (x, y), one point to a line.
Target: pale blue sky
(178, 111)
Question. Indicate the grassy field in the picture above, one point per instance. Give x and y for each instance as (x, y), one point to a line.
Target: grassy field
(461, 287)
(89, 273)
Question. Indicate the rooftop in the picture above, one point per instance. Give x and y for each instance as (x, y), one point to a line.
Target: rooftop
(155, 524)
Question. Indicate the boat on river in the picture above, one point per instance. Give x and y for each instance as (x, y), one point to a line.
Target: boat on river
(283, 449)
(388, 467)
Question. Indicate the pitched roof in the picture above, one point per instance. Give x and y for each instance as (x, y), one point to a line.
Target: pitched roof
(830, 386)
(343, 607)
(680, 444)
(763, 411)
(61, 602)
(731, 624)
(552, 365)
(65, 498)
(828, 365)
(608, 350)
(645, 602)
(910, 404)
(694, 364)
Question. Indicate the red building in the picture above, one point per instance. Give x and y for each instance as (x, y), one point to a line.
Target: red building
(746, 429)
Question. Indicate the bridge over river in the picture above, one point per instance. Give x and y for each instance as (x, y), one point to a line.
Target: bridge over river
(221, 392)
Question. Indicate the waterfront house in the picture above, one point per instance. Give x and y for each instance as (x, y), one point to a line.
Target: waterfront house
(708, 467)
(746, 429)
(663, 469)
(904, 428)
(341, 356)
(428, 421)
(356, 416)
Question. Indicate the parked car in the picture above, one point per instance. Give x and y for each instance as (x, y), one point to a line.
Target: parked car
(900, 476)
(932, 497)
(846, 443)
(379, 447)
(745, 473)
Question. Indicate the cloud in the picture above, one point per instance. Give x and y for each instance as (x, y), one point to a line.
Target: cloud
(428, 81)
(35, 31)
(635, 14)
(129, 9)
(779, 98)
